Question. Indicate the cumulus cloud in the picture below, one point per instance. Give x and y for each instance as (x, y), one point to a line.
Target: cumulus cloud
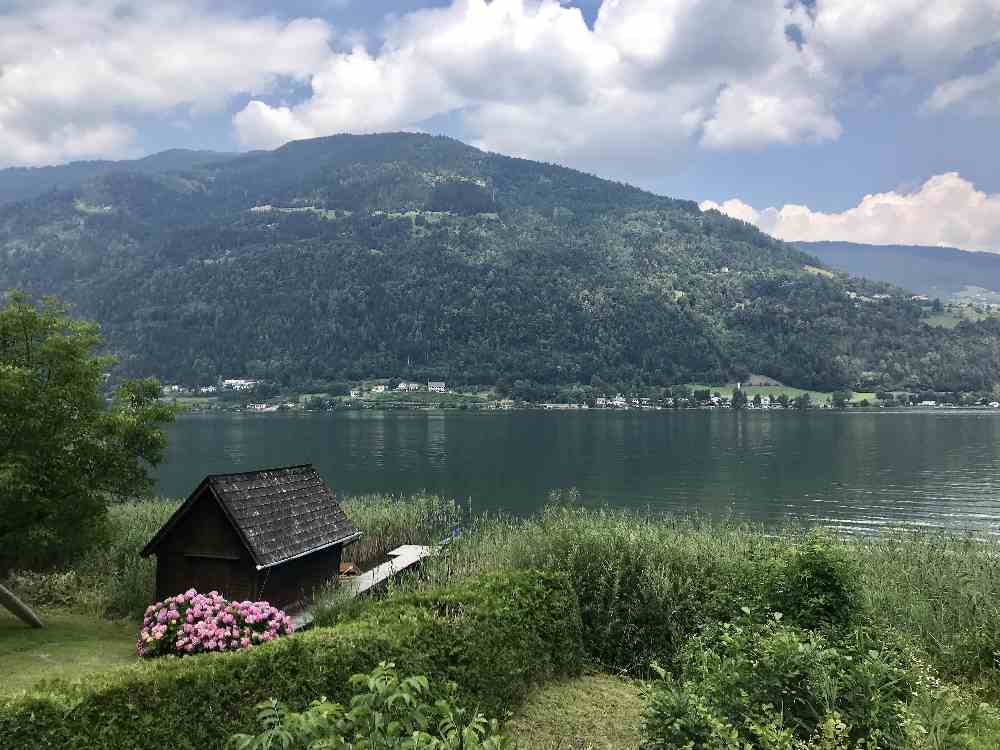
(72, 73)
(648, 80)
(947, 210)
(530, 77)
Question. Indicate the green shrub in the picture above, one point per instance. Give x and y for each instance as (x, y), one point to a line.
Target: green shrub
(388, 712)
(774, 685)
(493, 636)
(817, 585)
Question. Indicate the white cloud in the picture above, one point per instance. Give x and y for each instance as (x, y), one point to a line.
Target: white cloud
(72, 73)
(529, 77)
(650, 77)
(980, 91)
(919, 35)
(947, 210)
(646, 82)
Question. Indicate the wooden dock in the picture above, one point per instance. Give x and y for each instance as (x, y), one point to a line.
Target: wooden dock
(400, 559)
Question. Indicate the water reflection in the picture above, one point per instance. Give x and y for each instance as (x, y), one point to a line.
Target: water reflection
(858, 470)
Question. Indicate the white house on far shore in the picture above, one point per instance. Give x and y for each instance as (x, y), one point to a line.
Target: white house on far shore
(435, 386)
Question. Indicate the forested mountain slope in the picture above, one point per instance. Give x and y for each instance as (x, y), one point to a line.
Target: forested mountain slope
(944, 272)
(420, 257)
(23, 183)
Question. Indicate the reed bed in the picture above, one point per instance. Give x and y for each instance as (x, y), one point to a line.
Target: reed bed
(388, 521)
(646, 582)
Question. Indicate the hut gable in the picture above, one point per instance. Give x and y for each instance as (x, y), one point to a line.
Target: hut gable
(276, 533)
(282, 513)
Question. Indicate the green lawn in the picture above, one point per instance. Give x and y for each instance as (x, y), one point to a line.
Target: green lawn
(70, 646)
(424, 397)
(593, 712)
(776, 390)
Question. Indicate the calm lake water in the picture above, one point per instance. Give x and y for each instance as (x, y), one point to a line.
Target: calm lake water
(852, 470)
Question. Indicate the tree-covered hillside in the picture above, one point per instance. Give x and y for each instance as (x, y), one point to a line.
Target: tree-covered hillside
(420, 257)
(24, 183)
(944, 272)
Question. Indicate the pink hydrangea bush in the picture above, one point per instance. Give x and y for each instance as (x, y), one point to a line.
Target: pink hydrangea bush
(193, 623)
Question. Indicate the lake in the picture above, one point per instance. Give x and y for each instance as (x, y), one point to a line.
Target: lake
(854, 470)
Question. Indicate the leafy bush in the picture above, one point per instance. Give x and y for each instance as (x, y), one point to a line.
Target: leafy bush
(818, 584)
(110, 579)
(494, 636)
(193, 623)
(773, 685)
(389, 713)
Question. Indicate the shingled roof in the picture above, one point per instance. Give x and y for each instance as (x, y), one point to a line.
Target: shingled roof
(280, 513)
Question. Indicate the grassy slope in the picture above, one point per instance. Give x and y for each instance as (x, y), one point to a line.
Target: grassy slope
(776, 390)
(69, 647)
(593, 712)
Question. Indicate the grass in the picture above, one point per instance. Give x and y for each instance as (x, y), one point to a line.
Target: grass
(113, 581)
(388, 521)
(817, 271)
(424, 397)
(645, 583)
(952, 315)
(593, 712)
(940, 592)
(777, 390)
(69, 647)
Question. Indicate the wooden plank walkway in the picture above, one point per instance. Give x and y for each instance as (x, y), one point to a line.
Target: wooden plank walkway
(401, 558)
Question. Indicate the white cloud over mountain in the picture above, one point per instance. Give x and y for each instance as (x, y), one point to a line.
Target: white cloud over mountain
(74, 74)
(530, 77)
(648, 80)
(946, 210)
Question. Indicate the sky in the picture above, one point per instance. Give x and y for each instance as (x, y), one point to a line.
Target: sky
(814, 119)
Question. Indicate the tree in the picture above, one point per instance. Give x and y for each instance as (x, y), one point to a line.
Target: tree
(64, 450)
(739, 399)
(840, 398)
(803, 402)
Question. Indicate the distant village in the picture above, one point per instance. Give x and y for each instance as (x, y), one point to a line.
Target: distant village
(252, 395)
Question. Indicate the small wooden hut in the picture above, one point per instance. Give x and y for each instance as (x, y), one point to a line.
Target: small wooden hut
(275, 534)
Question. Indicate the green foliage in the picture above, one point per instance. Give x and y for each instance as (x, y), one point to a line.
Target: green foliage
(773, 685)
(410, 256)
(493, 636)
(818, 584)
(62, 451)
(387, 712)
(840, 399)
(739, 400)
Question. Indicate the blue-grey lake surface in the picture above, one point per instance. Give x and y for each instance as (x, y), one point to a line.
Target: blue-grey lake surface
(855, 470)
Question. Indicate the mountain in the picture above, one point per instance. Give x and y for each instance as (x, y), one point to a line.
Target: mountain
(405, 255)
(945, 272)
(23, 183)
